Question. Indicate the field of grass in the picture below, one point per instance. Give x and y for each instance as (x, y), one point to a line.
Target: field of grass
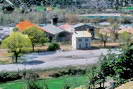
(53, 83)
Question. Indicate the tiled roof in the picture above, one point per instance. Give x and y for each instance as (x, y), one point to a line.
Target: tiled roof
(78, 25)
(52, 29)
(25, 25)
(67, 27)
(82, 26)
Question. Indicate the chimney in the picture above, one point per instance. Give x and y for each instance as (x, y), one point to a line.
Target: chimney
(54, 20)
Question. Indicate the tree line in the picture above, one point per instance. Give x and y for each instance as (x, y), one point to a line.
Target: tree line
(74, 3)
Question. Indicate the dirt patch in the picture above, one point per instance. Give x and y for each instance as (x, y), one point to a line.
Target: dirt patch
(99, 44)
(41, 48)
(128, 85)
(4, 56)
(47, 74)
(3, 52)
(66, 47)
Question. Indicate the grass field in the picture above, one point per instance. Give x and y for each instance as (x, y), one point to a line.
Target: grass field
(53, 83)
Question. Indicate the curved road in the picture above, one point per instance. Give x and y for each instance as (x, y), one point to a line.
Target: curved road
(48, 60)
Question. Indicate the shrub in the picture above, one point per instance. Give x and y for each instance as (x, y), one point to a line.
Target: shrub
(4, 77)
(33, 85)
(53, 47)
(33, 82)
(119, 64)
(31, 75)
(69, 72)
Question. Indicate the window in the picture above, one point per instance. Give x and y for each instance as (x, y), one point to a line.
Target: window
(79, 40)
(79, 46)
(86, 45)
(86, 39)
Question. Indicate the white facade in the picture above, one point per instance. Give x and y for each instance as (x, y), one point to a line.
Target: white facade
(81, 40)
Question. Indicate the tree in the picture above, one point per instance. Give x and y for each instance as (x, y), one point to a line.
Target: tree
(103, 36)
(98, 4)
(16, 42)
(91, 75)
(96, 76)
(15, 29)
(72, 18)
(115, 28)
(119, 66)
(125, 37)
(36, 36)
(32, 82)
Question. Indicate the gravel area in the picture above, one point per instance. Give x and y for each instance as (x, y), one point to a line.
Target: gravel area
(48, 60)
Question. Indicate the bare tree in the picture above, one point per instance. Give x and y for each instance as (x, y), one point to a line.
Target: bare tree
(72, 18)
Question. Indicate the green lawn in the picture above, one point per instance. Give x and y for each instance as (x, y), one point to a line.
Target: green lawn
(40, 8)
(128, 8)
(53, 83)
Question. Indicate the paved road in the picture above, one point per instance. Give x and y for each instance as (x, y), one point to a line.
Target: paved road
(49, 60)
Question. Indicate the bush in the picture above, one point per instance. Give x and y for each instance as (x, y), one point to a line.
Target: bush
(33, 85)
(31, 75)
(5, 77)
(33, 82)
(69, 72)
(53, 47)
(119, 64)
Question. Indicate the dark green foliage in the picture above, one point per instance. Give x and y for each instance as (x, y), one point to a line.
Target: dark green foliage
(33, 83)
(31, 79)
(96, 76)
(67, 86)
(36, 35)
(5, 77)
(70, 72)
(8, 9)
(107, 63)
(53, 47)
(119, 66)
(15, 29)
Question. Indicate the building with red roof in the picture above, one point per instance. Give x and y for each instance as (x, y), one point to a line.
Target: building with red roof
(26, 25)
(67, 27)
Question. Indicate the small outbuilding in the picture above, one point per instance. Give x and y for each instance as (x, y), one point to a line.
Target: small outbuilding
(85, 27)
(81, 40)
(54, 33)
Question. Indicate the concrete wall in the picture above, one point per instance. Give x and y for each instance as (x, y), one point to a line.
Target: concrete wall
(74, 46)
(81, 42)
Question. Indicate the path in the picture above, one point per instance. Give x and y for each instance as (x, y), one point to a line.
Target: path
(56, 60)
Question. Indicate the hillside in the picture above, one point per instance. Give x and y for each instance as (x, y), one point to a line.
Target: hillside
(72, 3)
